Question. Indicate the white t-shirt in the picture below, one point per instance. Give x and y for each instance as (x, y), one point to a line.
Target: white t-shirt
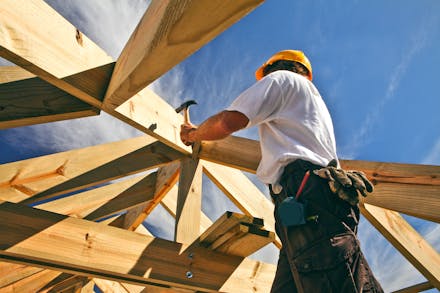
(293, 123)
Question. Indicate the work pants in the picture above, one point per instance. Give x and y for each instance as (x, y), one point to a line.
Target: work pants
(322, 255)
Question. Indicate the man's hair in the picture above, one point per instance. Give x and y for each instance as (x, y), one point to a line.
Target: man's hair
(286, 65)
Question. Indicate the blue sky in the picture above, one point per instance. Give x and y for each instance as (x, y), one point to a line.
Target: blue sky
(376, 64)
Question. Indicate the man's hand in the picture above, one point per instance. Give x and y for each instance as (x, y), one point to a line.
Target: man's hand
(346, 184)
(185, 133)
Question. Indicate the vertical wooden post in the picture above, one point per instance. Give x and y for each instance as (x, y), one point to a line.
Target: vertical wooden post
(189, 201)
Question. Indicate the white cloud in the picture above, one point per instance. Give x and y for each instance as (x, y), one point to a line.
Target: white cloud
(108, 23)
(433, 156)
(419, 41)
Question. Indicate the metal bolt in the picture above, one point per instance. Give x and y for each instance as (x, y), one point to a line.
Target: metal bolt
(189, 274)
(191, 255)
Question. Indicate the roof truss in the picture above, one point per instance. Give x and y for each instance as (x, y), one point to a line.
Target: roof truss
(64, 75)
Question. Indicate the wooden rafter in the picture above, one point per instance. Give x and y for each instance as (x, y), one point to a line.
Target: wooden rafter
(27, 100)
(54, 50)
(417, 187)
(166, 178)
(169, 28)
(45, 177)
(402, 236)
(105, 201)
(73, 66)
(94, 249)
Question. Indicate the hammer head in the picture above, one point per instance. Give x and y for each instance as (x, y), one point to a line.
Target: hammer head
(185, 105)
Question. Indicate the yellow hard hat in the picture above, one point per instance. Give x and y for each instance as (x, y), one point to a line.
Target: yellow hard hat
(289, 55)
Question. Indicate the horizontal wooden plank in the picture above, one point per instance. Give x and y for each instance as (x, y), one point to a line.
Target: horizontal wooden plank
(421, 201)
(406, 240)
(32, 101)
(169, 32)
(50, 240)
(402, 185)
(396, 172)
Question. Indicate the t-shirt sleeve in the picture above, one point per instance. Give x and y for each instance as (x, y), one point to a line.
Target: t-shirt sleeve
(259, 102)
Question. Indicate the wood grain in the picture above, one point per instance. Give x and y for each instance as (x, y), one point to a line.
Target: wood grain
(169, 32)
(74, 245)
(406, 240)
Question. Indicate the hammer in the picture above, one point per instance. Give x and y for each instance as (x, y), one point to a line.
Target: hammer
(185, 108)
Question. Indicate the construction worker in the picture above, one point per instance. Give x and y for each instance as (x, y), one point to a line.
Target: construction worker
(316, 202)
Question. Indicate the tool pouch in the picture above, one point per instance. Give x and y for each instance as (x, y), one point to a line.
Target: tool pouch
(291, 212)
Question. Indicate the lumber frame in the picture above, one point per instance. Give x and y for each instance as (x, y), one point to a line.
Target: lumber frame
(406, 240)
(80, 68)
(51, 58)
(169, 28)
(398, 186)
(44, 177)
(29, 235)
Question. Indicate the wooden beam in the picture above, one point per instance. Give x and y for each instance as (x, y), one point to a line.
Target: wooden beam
(225, 223)
(13, 73)
(88, 78)
(44, 177)
(53, 49)
(32, 283)
(169, 32)
(396, 172)
(86, 204)
(236, 234)
(422, 201)
(169, 202)
(189, 201)
(409, 188)
(104, 201)
(65, 283)
(243, 193)
(32, 100)
(233, 151)
(51, 240)
(149, 113)
(11, 273)
(416, 288)
(166, 178)
(400, 234)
